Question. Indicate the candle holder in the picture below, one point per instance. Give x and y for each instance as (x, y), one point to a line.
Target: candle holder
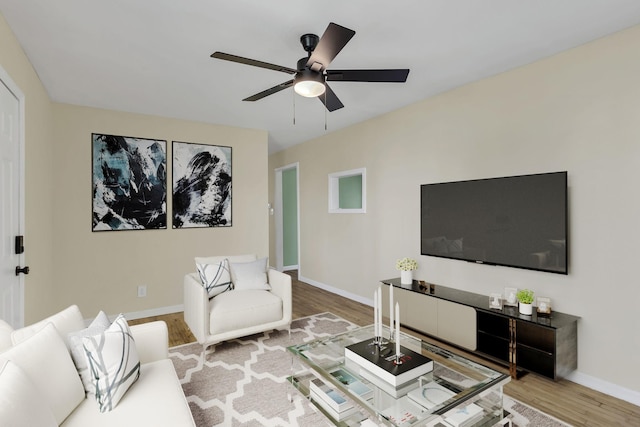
(379, 341)
(379, 346)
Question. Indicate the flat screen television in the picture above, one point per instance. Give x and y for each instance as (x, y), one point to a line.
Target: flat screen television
(516, 221)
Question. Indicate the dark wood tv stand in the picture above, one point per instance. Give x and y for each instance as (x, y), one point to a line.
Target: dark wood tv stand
(546, 345)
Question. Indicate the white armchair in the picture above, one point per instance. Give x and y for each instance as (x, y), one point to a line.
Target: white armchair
(236, 313)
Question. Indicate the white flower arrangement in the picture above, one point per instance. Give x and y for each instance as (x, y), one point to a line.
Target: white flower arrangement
(406, 264)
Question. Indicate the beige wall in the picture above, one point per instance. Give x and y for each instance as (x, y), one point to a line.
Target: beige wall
(102, 270)
(578, 111)
(39, 146)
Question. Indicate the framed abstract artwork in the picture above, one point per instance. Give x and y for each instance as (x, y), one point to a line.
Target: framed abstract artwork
(201, 185)
(129, 183)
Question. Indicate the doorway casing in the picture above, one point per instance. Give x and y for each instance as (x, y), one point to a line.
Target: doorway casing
(280, 202)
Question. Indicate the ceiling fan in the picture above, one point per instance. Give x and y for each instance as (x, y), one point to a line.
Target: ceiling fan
(311, 74)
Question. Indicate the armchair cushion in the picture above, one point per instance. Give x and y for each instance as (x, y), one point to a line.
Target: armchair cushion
(250, 275)
(237, 310)
(215, 277)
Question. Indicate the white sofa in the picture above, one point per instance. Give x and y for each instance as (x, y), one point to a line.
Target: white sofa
(40, 386)
(236, 313)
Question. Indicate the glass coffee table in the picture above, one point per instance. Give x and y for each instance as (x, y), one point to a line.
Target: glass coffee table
(456, 393)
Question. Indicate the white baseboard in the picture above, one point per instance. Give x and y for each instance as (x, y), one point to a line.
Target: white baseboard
(289, 267)
(605, 387)
(142, 314)
(154, 312)
(594, 383)
(150, 313)
(337, 291)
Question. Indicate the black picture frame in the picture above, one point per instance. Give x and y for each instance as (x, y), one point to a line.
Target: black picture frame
(202, 185)
(129, 183)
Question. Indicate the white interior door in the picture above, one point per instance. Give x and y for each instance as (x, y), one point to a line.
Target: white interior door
(11, 216)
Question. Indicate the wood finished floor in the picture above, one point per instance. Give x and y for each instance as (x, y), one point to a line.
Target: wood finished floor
(565, 400)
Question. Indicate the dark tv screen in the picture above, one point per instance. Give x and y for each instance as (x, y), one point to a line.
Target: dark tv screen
(517, 221)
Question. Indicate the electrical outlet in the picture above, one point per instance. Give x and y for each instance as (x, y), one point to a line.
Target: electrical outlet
(142, 291)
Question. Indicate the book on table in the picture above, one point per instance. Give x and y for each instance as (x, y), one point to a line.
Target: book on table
(331, 397)
(332, 401)
(338, 416)
(403, 412)
(381, 362)
(464, 416)
(354, 385)
(430, 394)
(374, 380)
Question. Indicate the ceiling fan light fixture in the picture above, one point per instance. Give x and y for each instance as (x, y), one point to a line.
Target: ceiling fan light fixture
(309, 84)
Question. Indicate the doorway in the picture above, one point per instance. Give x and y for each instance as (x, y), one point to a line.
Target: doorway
(287, 218)
(11, 201)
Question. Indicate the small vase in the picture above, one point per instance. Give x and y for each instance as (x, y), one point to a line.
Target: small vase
(526, 309)
(406, 277)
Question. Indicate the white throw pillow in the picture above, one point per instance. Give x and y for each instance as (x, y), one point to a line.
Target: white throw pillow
(21, 403)
(68, 320)
(46, 361)
(215, 277)
(250, 275)
(76, 346)
(113, 363)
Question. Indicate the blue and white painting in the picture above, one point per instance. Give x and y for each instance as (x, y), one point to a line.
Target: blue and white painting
(201, 185)
(129, 183)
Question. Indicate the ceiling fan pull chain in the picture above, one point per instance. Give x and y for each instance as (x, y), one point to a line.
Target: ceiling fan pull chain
(294, 106)
(325, 110)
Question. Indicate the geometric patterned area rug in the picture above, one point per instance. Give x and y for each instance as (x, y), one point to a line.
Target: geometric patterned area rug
(244, 381)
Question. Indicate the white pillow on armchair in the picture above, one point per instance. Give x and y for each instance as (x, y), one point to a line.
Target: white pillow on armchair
(215, 277)
(250, 275)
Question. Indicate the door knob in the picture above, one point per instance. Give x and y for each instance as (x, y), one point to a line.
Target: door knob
(24, 270)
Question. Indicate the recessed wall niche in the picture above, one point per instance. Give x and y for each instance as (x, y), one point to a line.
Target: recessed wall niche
(347, 191)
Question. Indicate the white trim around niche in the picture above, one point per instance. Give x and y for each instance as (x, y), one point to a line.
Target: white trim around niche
(334, 190)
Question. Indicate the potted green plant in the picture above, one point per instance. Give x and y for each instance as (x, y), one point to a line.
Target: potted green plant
(406, 267)
(525, 298)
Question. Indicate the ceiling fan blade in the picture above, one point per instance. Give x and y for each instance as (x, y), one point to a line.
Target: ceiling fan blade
(389, 76)
(330, 100)
(253, 62)
(335, 37)
(270, 91)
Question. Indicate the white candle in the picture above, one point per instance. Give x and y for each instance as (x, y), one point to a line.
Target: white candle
(397, 329)
(380, 310)
(375, 313)
(390, 310)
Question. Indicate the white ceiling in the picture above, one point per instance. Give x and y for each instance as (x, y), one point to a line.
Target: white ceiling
(152, 57)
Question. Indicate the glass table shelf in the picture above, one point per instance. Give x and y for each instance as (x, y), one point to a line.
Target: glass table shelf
(456, 393)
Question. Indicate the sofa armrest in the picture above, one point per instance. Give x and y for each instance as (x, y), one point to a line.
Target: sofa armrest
(152, 341)
(196, 301)
(281, 286)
